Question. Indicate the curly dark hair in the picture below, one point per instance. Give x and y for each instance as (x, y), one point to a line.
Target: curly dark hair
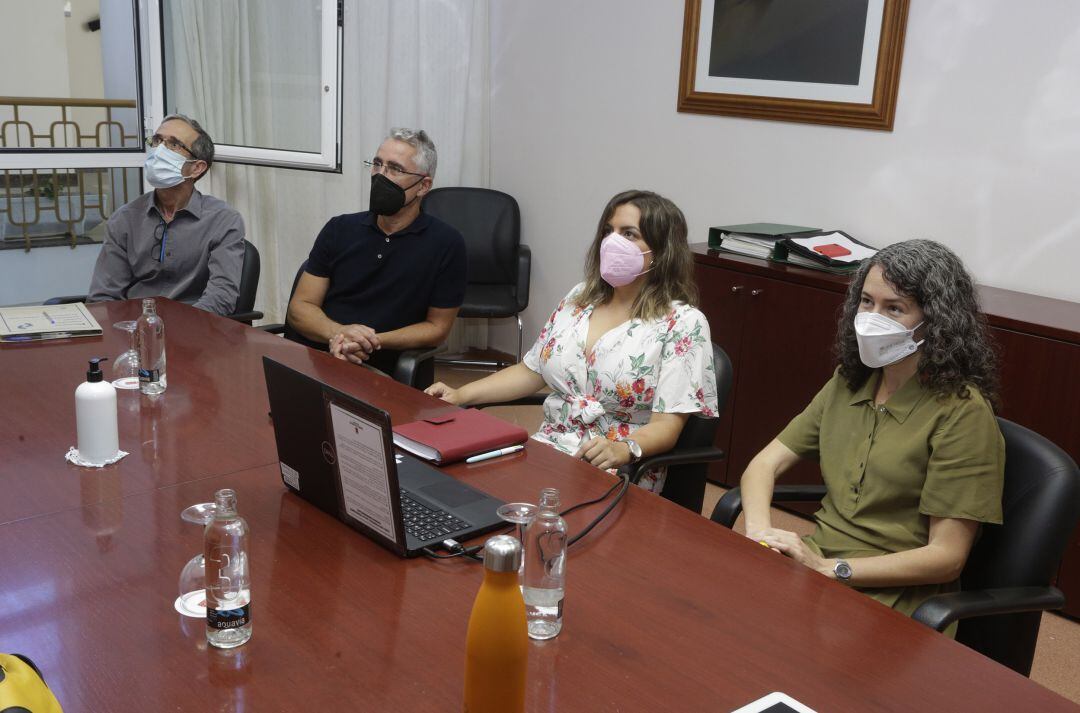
(958, 351)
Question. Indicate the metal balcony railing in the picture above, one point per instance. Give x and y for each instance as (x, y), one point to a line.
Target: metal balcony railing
(40, 207)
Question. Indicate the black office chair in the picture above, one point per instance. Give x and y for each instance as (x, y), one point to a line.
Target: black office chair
(249, 285)
(245, 300)
(687, 462)
(1006, 582)
(499, 264)
(414, 367)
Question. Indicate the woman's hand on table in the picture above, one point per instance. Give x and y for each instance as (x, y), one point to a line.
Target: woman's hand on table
(793, 546)
(603, 453)
(444, 392)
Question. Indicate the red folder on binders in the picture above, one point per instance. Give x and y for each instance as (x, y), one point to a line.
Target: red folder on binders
(456, 435)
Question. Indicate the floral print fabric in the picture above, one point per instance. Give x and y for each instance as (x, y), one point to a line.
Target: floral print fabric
(634, 370)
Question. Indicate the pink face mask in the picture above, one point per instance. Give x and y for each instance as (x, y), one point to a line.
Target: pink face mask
(620, 260)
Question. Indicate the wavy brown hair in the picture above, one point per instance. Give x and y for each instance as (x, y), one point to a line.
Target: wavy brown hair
(671, 278)
(958, 351)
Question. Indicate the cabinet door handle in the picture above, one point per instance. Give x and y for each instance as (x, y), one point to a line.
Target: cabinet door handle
(737, 288)
(755, 293)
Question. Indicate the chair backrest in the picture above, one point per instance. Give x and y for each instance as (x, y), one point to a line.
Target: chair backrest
(249, 279)
(685, 484)
(490, 221)
(1041, 506)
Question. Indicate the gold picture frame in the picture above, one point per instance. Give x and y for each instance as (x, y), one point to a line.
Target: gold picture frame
(869, 105)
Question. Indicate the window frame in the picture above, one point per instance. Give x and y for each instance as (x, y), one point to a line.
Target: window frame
(328, 158)
(150, 107)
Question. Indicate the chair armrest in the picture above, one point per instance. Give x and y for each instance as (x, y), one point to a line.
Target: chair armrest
(676, 456)
(272, 328)
(524, 276)
(800, 493)
(730, 505)
(938, 612)
(409, 361)
(246, 317)
(65, 300)
(536, 399)
(727, 509)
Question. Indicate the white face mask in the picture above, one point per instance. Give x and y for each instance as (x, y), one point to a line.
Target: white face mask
(883, 341)
(164, 167)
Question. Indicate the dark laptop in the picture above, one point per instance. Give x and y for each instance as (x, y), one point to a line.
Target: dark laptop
(336, 452)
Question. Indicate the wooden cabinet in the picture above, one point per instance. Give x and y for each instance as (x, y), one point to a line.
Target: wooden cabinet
(778, 336)
(778, 324)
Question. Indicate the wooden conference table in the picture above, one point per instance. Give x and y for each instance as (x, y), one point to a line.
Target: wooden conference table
(665, 610)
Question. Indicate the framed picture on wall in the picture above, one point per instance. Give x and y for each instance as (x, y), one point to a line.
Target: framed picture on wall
(821, 62)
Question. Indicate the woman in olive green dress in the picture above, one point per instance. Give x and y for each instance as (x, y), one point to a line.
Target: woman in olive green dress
(904, 432)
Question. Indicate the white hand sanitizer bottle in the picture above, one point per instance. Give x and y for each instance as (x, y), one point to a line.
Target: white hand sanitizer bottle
(95, 416)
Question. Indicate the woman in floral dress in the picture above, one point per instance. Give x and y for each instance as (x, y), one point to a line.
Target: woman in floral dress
(626, 355)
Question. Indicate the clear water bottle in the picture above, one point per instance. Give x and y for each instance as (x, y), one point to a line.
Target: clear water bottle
(545, 568)
(150, 331)
(228, 579)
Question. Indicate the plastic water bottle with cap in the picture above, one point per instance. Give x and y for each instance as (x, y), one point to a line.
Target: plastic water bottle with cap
(497, 645)
(545, 568)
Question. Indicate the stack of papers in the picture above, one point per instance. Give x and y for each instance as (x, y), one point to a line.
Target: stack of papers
(794, 259)
(748, 245)
(856, 252)
(751, 239)
(830, 251)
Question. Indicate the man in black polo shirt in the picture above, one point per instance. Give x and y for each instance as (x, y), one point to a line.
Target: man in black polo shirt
(387, 279)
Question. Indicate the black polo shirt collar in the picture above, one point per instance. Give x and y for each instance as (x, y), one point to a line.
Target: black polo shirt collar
(423, 220)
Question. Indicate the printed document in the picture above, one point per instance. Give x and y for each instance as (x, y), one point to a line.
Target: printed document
(21, 324)
(361, 463)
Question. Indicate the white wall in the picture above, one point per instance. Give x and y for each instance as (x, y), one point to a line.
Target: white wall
(84, 50)
(32, 64)
(34, 60)
(84, 60)
(984, 155)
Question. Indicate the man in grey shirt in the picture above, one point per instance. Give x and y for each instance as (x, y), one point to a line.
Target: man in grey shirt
(173, 241)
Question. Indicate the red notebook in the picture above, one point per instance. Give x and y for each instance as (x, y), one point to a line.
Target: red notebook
(456, 435)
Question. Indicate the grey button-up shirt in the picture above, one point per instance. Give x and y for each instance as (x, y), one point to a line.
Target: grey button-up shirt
(199, 263)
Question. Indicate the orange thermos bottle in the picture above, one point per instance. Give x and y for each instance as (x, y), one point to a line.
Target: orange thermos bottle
(497, 645)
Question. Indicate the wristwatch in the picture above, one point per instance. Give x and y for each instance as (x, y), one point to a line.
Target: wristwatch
(842, 570)
(635, 449)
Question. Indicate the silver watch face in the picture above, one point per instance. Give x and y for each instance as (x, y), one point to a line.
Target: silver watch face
(842, 571)
(635, 449)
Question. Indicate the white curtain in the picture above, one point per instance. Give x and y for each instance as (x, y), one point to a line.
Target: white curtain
(416, 63)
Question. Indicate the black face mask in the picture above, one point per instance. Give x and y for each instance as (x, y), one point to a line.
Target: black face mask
(387, 197)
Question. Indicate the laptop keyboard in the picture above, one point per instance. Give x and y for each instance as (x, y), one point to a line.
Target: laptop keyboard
(424, 523)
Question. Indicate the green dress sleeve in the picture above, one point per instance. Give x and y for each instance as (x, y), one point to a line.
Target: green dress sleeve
(966, 471)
